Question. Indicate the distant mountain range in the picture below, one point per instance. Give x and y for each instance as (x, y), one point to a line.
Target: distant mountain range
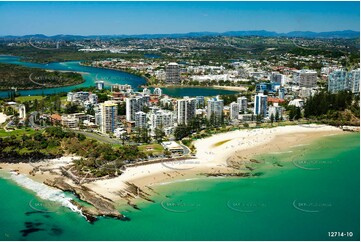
(345, 34)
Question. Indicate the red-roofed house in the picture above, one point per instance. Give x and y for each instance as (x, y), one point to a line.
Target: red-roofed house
(55, 118)
(275, 100)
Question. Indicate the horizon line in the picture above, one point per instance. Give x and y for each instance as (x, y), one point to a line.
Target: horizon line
(184, 33)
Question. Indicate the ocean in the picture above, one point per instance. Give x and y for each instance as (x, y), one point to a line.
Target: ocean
(305, 193)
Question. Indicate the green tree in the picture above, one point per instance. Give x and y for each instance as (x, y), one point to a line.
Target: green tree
(159, 134)
(121, 108)
(272, 118)
(181, 131)
(277, 117)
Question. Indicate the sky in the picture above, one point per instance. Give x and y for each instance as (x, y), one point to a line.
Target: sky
(103, 18)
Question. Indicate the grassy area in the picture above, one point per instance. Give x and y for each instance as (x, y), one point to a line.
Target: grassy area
(28, 98)
(221, 143)
(63, 100)
(154, 149)
(17, 132)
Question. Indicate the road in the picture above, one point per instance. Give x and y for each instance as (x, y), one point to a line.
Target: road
(101, 138)
(32, 121)
(186, 150)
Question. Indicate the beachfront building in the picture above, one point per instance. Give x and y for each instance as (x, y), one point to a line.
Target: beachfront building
(157, 91)
(337, 81)
(341, 80)
(134, 105)
(100, 85)
(69, 121)
(186, 110)
(173, 147)
(305, 78)
(260, 105)
(140, 119)
(109, 112)
(233, 110)
(161, 119)
(354, 77)
(215, 110)
(172, 73)
(242, 103)
(276, 111)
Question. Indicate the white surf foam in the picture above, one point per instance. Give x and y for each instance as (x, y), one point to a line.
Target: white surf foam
(45, 192)
(281, 152)
(299, 145)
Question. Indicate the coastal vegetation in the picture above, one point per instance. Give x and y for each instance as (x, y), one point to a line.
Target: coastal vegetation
(21, 77)
(29, 53)
(342, 108)
(98, 159)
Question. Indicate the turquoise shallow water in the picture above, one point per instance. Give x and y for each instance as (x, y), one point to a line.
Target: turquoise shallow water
(313, 190)
(91, 75)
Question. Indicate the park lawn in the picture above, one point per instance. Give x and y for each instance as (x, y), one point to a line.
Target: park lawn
(155, 149)
(16, 132)
(63, 100)
(28, 98)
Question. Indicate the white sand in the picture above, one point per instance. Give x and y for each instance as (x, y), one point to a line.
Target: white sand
(207, 149)
(212, 158)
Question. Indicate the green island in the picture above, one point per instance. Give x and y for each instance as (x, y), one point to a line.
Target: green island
(34, 78)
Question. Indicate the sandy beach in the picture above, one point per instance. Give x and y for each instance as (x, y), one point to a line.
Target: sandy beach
(231, 88)
(214, 155)
(47, 169)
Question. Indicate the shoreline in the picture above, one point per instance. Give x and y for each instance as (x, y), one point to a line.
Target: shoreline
(229, 88)
(139, 183)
